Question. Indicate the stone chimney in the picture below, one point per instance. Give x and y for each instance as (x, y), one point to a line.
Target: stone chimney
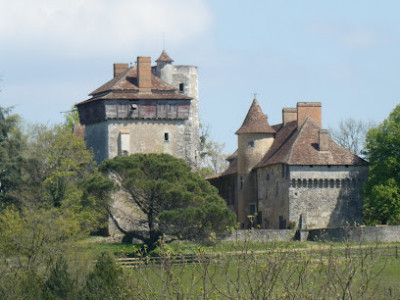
(289, 115)
(144, 73)
(120, 68)
(323, 140)
(309, 109)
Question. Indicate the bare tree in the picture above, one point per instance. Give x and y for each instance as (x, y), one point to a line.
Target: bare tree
(350, 134)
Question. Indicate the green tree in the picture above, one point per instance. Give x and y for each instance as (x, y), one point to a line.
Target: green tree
(382, 190)
(175, 201)
(11, 154)
(59, 285)
(71, 118)
(105, 281)
(58, 159)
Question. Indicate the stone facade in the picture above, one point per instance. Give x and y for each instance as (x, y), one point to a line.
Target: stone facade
(292, 175)
(143, 109)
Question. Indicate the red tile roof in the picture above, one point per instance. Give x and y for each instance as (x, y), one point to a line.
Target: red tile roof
(164, 57)
(125, 86)
(300, 146)
(255, 121)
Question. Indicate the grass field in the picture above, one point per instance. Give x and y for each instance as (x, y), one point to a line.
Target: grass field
(253, 274)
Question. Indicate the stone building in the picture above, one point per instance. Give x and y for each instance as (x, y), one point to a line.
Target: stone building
(144, 109)
(292, 174)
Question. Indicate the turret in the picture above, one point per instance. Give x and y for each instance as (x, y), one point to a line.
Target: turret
(255, 137)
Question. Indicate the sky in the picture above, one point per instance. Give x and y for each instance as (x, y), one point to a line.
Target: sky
(344, 54)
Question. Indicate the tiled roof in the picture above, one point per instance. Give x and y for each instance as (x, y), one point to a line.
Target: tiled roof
(164, 57)
(125, 86)
(300, 146)
(127, 81)
(255, 121)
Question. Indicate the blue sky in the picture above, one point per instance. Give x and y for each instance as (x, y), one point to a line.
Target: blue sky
(345, 54)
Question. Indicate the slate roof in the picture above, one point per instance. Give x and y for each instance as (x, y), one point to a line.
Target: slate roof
(125, 86)
(255, 121)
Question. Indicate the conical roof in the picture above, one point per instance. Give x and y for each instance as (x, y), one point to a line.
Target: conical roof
(164, 57)
(255, 121)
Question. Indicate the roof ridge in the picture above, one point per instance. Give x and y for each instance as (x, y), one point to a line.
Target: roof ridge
(284, 142)
(116, 80)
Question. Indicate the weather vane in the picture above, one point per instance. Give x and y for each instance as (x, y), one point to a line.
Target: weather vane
(255, 95)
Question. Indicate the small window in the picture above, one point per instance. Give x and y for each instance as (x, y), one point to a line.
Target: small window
(166, 137)
(181, 88)
(252, 209)
(241, 182)
(251, 144)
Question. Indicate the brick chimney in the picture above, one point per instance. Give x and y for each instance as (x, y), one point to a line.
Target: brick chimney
(323, 140)
(144, 73)
(309, 109)
(289, 115)
(120, 68)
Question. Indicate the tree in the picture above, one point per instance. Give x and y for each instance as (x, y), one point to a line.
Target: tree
(175, 201)
(351, 134)
(11, 154)
(212, 158)
(382, 190)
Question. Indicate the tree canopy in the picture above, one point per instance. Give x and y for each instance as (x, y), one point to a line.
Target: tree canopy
(11, 153)
(382, 190)
(175, 201)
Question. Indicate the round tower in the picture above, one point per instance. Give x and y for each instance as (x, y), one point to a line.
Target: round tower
(255, 138)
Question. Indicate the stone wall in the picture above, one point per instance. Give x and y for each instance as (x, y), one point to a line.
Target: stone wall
(340, 234)
(262, 235)
(273, 197)
(326, 196)
(356, 234)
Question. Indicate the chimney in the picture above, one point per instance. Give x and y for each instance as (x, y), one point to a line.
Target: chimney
(289, 115)
(120, 68)
(323, 140)
(309, 109)
(144, 73)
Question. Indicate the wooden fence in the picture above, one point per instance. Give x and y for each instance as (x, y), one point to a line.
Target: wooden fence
(292, 254)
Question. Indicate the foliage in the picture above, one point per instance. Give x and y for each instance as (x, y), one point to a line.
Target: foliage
(212, 158)
(382, 190)
(34, 239)
(11, 154)
(71, 118)
(351, 134)
(174, 200)
(105, 281)
(59, 158)
(59, 285)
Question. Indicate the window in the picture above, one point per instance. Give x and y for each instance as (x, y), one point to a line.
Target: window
(251, 144)
(124, 143)
(166, 137)
(181, 88)
(252, 209)
(241, 182)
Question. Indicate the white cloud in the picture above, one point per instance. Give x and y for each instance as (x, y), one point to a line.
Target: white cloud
(101, 25)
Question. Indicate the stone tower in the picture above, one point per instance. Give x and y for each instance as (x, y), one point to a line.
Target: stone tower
(144, 109)
(255, 137)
